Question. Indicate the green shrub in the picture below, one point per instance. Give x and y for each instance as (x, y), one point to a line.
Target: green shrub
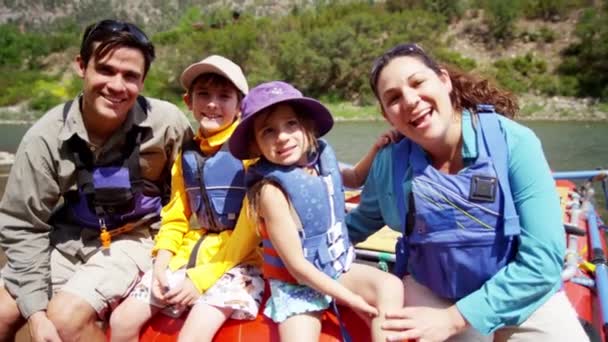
(455, 59)
(548, 9)
(449, 9)
(46, 94)
(585, 60)
(547, 35)
(500, 18)
(518, 74)
(543, 35)
(22, 49)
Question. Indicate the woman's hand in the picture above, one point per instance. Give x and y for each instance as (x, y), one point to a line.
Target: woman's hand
(424, 324)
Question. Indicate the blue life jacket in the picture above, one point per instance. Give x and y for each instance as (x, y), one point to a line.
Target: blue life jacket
(459, 230)
(111, 195)
(215, 186)
(319, 204)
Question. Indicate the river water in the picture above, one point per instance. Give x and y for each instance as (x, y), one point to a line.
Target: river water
(567, 145)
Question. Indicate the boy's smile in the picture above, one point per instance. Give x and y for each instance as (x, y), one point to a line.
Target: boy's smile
(215, 107)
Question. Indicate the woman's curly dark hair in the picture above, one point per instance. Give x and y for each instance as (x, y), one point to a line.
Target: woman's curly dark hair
(467, 90)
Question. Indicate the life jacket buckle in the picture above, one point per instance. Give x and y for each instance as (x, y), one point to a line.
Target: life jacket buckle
(105, 236)
(334, 233)
(336, 249)
(337, 265)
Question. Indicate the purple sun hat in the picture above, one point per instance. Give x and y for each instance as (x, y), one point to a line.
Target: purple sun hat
(266, 95)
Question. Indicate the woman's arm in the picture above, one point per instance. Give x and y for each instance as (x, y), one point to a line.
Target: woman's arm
(355, 176)
(375, 202)
(535, 273)
(283, 233)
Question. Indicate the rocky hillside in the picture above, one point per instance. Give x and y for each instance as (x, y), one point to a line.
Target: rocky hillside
(526, 63)
(153, 14)
(467, 36)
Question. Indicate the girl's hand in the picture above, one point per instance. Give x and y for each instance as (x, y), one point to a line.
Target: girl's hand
(423, 324)
(184, 295)
(359, 304)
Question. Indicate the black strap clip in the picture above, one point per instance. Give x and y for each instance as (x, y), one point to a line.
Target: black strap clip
(483, 188)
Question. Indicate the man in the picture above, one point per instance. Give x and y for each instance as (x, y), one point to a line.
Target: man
(84, 190)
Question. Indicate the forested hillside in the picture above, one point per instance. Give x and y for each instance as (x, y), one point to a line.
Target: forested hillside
(537, 48)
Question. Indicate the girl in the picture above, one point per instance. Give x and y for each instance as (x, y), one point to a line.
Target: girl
(483, 242)
(208, 184)
(296, 193)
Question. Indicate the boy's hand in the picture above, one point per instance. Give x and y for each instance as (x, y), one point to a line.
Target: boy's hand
(160, 284)
(184, 295)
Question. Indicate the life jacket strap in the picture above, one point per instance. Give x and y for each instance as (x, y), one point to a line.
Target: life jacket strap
(105, 236)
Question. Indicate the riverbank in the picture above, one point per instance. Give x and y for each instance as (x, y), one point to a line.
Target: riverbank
(532, 108)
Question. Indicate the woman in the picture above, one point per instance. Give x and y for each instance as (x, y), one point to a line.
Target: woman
(472, 192)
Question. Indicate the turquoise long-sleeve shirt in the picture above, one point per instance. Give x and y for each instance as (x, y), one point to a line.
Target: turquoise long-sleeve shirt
(534, 275)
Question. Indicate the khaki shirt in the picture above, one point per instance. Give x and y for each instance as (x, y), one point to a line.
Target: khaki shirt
(31, 223)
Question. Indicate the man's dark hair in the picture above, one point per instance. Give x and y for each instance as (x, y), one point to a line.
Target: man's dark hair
(112, 34)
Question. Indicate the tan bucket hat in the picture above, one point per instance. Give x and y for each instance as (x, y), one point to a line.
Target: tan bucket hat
(218, 65)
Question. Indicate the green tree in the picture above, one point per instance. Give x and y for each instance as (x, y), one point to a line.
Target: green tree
(586, 59)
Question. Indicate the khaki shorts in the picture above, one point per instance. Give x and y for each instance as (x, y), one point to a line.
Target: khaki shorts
(107, 276)
(417, 294)
(556, 320)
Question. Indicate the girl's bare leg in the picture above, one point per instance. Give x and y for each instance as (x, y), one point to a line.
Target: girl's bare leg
(129, 317)
(380, 289)
(203, 322)
(303, 327)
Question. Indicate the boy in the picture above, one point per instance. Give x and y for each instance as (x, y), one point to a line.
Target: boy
(207, 184)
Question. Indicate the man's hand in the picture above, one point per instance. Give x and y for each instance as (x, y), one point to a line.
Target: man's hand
(42, 329)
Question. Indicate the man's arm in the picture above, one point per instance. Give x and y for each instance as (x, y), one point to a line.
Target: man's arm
(30, 196)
